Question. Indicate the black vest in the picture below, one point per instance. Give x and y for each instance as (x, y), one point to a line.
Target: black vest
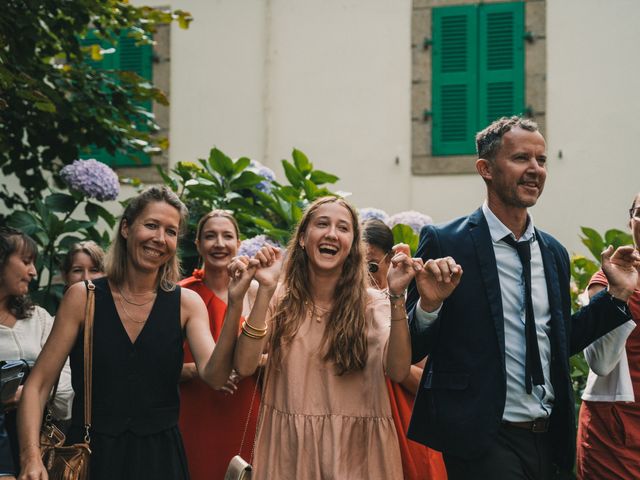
(135, 386)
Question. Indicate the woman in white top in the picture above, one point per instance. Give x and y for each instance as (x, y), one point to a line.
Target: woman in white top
(24, 327)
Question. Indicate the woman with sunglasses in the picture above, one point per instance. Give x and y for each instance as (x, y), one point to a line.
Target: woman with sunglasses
(418, 461)
(608, 443)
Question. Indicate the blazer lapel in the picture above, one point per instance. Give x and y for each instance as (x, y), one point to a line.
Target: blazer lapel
(553, 287)
(479, 231)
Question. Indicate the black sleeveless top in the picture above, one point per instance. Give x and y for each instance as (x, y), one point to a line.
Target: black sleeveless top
(135, 385)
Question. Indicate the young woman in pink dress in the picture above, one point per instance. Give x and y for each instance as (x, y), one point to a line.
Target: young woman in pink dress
(325, 409)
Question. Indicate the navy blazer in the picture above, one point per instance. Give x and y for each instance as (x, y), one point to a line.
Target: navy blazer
(460, 402)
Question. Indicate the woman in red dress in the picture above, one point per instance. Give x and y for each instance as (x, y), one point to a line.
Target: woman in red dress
(609, 423)
(213, 422)
(418, 461)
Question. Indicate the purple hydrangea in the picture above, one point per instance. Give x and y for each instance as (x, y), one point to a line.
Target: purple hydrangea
(92, 178)
(415, 220)
(250, 246)
(266, 185)
(368, 213)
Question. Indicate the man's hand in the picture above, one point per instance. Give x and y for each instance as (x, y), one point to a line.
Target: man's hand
(621, 268)
(436, 280)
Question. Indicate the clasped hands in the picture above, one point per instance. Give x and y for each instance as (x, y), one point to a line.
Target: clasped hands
(264, 267)
(435, 279)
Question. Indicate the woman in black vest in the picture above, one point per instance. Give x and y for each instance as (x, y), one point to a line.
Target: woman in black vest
(141, 319)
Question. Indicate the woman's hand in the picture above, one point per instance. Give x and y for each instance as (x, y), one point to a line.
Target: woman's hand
(401, 271)
(32, 468)
(270, 265)
(241, 271)
(232, 383)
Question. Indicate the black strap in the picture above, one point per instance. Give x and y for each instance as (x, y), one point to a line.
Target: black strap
(532, 364)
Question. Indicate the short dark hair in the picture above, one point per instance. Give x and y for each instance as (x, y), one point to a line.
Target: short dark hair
(489, 140)
(375, 232)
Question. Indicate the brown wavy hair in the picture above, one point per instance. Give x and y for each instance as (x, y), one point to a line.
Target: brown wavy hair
(12, 241)
(345, 337)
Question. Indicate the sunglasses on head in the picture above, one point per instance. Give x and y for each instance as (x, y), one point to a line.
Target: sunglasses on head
(375, 266)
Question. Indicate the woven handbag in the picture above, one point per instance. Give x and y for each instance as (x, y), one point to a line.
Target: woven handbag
(71, 462)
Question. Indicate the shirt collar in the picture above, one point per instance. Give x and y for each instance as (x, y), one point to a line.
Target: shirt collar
(498, 230)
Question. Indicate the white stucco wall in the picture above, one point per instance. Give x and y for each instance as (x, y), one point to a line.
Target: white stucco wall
(331, 78)
(592, 115)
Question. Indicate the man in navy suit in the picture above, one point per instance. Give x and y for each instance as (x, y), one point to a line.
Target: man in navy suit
(496, 396)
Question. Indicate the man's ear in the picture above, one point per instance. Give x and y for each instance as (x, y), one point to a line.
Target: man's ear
(483, 167)
(124, 229)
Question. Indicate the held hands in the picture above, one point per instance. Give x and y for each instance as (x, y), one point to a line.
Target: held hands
(241, 270)
(402, 270)
(621, 268)
(269, 265)
(436, 280)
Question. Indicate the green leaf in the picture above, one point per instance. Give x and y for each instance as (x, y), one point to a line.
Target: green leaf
(245, 180)
(94, 211)
(45, 107)
(617, 238)
(404, 234)
(593, 241)
(301, 162)
(76, 225)
(241, 163)
(319, 177)
(168, 181)
(292, 174)
(310, 189)
(24, 221)
(221, 163)
(60, 202)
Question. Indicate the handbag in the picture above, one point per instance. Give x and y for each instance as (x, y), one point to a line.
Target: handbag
(239, 468)
(71, 462)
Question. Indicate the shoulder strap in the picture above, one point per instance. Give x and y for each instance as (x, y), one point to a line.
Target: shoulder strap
(88, 356)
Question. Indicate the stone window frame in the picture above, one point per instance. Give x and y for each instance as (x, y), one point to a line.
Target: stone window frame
(422, 161)
(162, 80)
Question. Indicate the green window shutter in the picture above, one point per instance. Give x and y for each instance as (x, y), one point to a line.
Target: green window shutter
(454, 79)
(138, 59)
(501, 61)
(127, 57)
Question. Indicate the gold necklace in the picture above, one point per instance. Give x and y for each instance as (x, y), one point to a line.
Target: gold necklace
(124, 309)
(317, 312)
(134, 294)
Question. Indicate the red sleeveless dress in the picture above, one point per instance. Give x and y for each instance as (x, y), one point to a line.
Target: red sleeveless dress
(212, 422)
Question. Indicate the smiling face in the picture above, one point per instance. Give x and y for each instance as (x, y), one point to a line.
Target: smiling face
(516, 177)
(328, 237)
(18, 272)
(218, 243)
(152, 238)
(82, 268)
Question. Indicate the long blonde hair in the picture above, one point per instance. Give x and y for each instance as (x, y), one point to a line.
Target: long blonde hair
(345, 337)
(115, 262)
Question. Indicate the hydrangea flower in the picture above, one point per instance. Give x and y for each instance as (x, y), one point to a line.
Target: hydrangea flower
(368, 213)
(270, 177)
(415, 220)
(91, 178)
(250, 246)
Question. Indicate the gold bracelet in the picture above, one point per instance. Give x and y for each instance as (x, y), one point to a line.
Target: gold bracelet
(405, 318)
(254, 329)
(250, 334)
